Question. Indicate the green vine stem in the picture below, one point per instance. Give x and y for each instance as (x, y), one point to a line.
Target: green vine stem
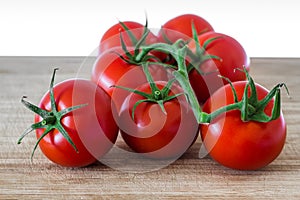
(251, 108)
(181, 74)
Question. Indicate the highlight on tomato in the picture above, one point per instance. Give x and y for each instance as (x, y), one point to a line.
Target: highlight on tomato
(74, 123)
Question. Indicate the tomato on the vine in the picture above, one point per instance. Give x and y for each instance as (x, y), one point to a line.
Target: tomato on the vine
(151, 89)
(131, 33)
(237, 144)
(230, 57)
(154, 132)
(74, 137)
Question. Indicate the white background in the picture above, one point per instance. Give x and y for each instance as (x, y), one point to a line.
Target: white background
(266, 28)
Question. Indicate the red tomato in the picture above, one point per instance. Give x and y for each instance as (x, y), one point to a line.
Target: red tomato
(91, 128)
(180, 27)
(232, 56)
(241, 145)
(111, 37)
(153, 133)
(110, 70)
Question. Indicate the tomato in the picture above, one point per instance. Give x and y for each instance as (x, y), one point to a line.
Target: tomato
(180, 27)
(111, 70)
(111, 38)
(153, 133)
(242, 145)
(91, 128)
(231, 55)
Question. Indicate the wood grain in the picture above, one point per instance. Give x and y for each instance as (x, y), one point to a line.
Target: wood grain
(186, 178)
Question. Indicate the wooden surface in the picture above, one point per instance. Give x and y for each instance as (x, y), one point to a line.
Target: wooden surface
(187, 178)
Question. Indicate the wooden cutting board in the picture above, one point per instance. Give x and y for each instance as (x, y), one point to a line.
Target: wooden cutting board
(187, 178)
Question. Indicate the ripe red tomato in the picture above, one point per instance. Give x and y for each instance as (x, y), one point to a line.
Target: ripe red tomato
(241, 145)
(91, 128)
(111, 37)
(153, 133)
(111, 70)
(232, 56)
(180, 27)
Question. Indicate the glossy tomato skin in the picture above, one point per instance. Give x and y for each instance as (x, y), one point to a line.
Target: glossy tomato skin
(91, 128)
(241, 145)
(180, 27)
(232, 57)
(155, 134)
(111, 38)
(110, 70)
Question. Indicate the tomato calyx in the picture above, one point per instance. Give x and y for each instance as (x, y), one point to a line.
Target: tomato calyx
(159, 96)
(199, 56)
(133, 39)
(133, 58)
(51, 119)
(251, 108)
(130, 34)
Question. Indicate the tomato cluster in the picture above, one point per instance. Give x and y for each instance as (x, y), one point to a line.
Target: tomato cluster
(159, 92)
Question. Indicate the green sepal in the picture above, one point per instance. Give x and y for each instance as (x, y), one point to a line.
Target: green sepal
(235, 97)
(61, 129)
(276, 111)
(137, 104)
(253, 97)
(145, 95)
(48, 129)
(124, 47)
(68, 110)
(149, 78)
(161, 105)
(131, 36)
(199, 49)
(245, 104)
(31, 128)
(134, 58)
(142, 40)
(34, 108)
(165, 37)
(199, 56)
(52, 99)
(207, 42)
